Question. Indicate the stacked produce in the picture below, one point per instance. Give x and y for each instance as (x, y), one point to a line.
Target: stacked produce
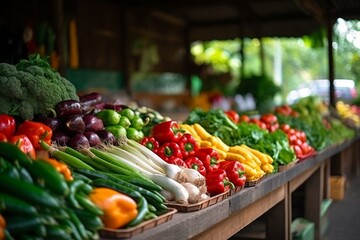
(350, 113)
(321, 129)
(298, 142)
(123, 123)
(37, 201)
(174, 146)
(274, 145)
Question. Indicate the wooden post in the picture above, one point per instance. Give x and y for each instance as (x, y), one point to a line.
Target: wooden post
(313, 199)
(329, 31)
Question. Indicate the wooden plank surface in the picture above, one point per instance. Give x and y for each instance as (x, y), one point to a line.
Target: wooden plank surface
(241, 218)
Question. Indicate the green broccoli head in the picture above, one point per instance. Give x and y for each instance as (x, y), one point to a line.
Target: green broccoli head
(32, 87)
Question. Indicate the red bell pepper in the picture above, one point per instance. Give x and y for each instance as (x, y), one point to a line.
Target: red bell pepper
(150, 143)
(188, 145)
(168, 131)
(217, 182)
(24, 144)
(235, 172)
(195, 163)
(170, 149)
(3, 138)
(177, 161)
(210, 157)
(35, 131)
(7, 125)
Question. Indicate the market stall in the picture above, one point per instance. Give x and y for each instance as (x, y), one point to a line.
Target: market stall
(86, 165)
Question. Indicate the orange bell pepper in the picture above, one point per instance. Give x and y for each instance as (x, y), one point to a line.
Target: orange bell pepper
(119, 209)
(60, 167)
(35, 131)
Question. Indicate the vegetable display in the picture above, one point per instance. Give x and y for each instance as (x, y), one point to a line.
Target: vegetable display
(71, 165)
(32, 87)
(40, 203)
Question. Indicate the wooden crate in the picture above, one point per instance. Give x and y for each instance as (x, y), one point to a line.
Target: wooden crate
(337, 187)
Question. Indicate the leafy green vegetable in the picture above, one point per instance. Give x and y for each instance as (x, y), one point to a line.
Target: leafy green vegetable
(32, 87)
(213, 120)
(275, 144)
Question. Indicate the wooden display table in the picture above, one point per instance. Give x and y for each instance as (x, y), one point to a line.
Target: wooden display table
(272, 195)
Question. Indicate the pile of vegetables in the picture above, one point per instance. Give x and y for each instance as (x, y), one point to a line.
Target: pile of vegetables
(173, 146)
(37, 201)
(261, 134)
(32, 87)
(313, 118)
(123, 123)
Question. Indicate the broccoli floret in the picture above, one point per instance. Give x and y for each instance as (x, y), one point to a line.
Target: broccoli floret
(32, 87)
(26, 110)
(35, 70)
(10, 87)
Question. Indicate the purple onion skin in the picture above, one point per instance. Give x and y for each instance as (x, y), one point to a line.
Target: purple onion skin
(78, 141)
(93, 123)
(67, 108)
(94, 139)
(90, 99)
(51, 122)
(106, 137)
(75, 124)
(61, 138)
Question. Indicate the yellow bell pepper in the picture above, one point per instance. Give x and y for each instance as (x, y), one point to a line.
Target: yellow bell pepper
(119, 209)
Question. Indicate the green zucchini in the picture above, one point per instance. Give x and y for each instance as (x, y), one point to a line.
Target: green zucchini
(91, 221)
(18, 225)
(101, 182)
(17, 206)
(143, 210)
(28, 192)
(45, 174)
(147, 184)
(59, 231)
(87, 204)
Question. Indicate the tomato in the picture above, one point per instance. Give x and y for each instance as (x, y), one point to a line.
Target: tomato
(285, 127)
(292, 139)
(244, 118)
(302, 136)
(298, 151)
(234, 116)
(273, 128)
(269, 118)
(291, 131)
(304, 148)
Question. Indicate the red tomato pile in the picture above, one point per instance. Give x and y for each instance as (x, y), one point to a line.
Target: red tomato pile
(267, 121)
(297, 141)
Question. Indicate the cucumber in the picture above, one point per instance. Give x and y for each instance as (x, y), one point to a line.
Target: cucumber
(28, 192)
(143, 210)
(101, 182)
(122, 185)
(87, 204)
(17, 225)
(59, 231)
(147, 184)
(91, 221)
(17, 206)
(45, 174)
